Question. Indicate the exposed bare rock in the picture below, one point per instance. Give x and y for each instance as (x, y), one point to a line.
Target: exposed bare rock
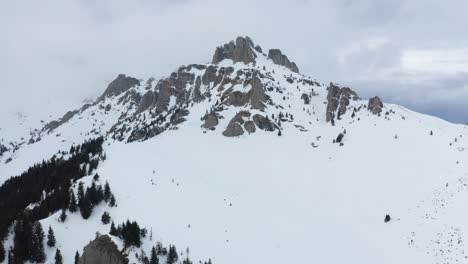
(197, 95)
(148, 99)
(121, 84)
(338, 100)
(211, 120)
(240, 51)
(257, 95)
(279, 58)
(250, 127)
(164, 94)
(234, 128)
(56, 123)
(263, 123)
(375, 105)
(237, 98)
(179, 116)
(306, 98)
(102, 251)
(211, 75)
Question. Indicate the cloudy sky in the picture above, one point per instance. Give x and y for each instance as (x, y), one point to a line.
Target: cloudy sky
(54, 54)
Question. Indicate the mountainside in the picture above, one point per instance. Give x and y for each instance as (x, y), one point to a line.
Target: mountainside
(246, 160)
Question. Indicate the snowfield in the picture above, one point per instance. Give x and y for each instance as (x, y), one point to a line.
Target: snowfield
(294, 198)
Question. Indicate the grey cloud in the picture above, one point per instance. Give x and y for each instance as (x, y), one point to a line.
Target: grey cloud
(61, 52)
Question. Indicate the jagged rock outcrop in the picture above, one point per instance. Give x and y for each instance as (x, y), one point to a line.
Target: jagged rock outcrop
(239, 51)
(102, 251)
(255, 96)
(211, 120)
(263, 123)
(164, 93)
(148, 99)
(121, 84)
(56, 123)
(338, 100)
(375, 105)
(279, 58)
(234, 128)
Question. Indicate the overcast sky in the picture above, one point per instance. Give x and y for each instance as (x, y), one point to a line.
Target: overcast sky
(56, 53)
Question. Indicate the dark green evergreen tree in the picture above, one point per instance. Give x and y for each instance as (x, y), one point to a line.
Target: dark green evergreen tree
(73, 207)
(63, 216)
(172, 255)
(105, 218)
(112, 202)
(51, 238)
(58, 257)
(77, 257)
(113, 231)
(86, 208)
(37, 251)
(154, 256)
(91, 194)
(81, 192)
(22, 243)
(107, 192)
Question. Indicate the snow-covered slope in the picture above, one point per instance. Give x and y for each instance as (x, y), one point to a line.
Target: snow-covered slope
(239, 161)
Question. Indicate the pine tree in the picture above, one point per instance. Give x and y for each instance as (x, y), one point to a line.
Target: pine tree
(22, 243)
(51, 238)
(37, 250)
(154, 256)
(113, 231)
(112, 202)
(77, 257)
(105, 218)
(86, 208)
(172, 256)
(73, 207)
(81, 193)
(58, 257)
(107, 192)
(63, 216)
(91, 194)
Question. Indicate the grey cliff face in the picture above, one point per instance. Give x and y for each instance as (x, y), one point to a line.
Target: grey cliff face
(279, 58)
(121, 84)
(240, 51)
(102, 251)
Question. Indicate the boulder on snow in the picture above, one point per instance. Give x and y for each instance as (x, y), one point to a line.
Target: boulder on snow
(234, 128)
(102, 250)
(250, 127)
(375, 105)
(263, 123)
(211, 120)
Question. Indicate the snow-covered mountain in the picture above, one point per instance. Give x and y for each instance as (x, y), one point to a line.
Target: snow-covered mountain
(246, 160)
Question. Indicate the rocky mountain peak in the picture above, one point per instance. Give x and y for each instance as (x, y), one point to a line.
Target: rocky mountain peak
(102, 251)
(242, 50)
(121, 84)
(279, 58)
